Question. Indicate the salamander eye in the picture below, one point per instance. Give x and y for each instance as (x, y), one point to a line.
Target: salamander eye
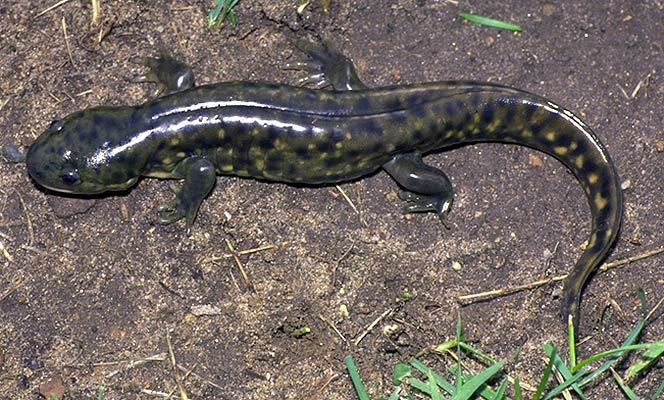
(55, 126)
(69, 177)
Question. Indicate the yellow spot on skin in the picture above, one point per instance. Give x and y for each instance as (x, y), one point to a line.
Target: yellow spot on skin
(166, 161)
(348, 136)
(227, 168)
(593, 179)
(260, 164)
(600, 202)
(593, 240)
(221, 133)
(311, 146)
(527, 133)
(160, 174)
(326, 96)
(338, 145)
(550, 136)
(280, 144)
(573, 146)
(493, 125)
(578, 161)
(181, 154)
(175, 141)
(560, 150)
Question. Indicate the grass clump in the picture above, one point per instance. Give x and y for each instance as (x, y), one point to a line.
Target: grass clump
(416, 380)
(222, 11)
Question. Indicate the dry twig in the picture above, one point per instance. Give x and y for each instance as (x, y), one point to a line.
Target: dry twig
(64, 32)
(368, 329)
(53, 7)
(541, 282)
(176, 372)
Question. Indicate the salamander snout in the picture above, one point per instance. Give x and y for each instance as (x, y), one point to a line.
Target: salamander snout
(48, 164)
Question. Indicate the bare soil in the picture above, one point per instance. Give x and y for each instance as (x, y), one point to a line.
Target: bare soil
(94, 287)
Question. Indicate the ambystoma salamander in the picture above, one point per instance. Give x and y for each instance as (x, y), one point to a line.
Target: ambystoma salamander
(300, 135)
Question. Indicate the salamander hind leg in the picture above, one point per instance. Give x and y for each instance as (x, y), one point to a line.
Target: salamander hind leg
(427, 189)
(168, 73)
(326, 67)
(199, 177)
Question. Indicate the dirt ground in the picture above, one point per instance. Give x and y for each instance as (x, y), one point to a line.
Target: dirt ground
(94, 289)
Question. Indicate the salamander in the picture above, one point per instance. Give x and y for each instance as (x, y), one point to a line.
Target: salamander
(302, 135)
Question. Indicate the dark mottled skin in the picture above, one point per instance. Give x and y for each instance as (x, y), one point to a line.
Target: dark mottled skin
(299, 135)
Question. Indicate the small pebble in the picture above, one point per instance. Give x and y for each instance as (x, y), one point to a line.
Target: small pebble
(13, 153)
(659, 146)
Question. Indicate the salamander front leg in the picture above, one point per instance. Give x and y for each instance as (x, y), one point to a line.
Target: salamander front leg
(199, 177)
(327, 66)
(169, 74)
(426, 188)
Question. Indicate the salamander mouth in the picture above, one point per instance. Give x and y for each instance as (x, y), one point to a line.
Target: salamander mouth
(81, 188)
(61, 190)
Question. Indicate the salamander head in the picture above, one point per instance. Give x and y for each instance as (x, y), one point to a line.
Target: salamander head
(85, 153)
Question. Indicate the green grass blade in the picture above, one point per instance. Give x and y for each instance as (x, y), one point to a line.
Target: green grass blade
(232, 18)
(647, 359)
(517, 389)
(545, 378)
(501, 390)
(222, 9)
(474, 383)
(355, 378)
(618, 350)
(400, 372)
(494, 23)
(570, 380)
(574, 379)
(433, 386)
(419, 385)
(442, 382)
(485, 391)
(213, 14)
(479, 354)
(631, 339)
(459, 338)
(395, 394)
(626, 389)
